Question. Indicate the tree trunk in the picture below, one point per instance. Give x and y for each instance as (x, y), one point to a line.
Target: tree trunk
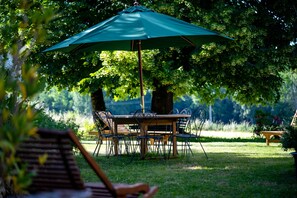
(162, 101)
(97, 100)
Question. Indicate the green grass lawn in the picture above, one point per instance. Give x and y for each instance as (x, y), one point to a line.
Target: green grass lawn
(243, 168)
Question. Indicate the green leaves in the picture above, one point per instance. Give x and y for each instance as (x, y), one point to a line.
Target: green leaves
(120, 73)
(247, 69)
(16, 123)
(21, 29)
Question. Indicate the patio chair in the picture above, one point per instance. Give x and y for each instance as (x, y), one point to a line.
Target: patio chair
(121, 137)
(104, 134)
(105, 118)
(181, 126)
(60, 171)
(183, 123)
(191, 130)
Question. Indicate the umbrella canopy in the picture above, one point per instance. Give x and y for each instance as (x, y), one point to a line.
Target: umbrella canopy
(137, 28)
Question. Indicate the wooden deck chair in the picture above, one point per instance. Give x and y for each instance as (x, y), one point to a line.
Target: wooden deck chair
(60, 171)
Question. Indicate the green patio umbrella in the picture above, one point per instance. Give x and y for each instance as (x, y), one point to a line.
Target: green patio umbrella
(137, 28)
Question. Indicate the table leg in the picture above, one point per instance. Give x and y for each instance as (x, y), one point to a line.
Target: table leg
(267, 137)
(267, 140)
(143, 141)
(174, 138)
(116, 143)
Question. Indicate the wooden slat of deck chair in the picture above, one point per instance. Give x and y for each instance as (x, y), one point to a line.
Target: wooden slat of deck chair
(60, 170)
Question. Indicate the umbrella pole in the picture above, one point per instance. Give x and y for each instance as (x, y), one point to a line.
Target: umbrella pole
(140, 76)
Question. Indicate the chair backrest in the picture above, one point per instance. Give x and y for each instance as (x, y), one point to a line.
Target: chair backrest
(106, 118)
(148, 115)
(186, 111)
(60, 170)
(174, 111)
(197, 120)
(100, 125)
(183, 123)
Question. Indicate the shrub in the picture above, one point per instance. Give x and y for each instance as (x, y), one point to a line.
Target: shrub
(289, 138)
(267, 122)
(16, 125)
(45, 120)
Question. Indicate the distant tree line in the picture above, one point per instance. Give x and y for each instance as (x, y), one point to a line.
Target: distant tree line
(61, 101)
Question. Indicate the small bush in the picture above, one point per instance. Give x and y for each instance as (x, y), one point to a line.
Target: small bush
(45, 120)
(265, 121)
(289, 139)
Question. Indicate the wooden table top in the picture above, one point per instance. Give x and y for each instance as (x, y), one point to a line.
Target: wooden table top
(127, 119)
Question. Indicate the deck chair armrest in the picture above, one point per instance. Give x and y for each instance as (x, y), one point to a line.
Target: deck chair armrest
(152, 191)
(122, 190)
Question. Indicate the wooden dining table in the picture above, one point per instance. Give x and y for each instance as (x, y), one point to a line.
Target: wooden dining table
(161, 119)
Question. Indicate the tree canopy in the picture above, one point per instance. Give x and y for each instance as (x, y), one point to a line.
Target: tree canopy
(246, 69)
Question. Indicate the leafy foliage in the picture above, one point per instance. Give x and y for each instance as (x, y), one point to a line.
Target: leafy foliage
(74, 16)
(62, 100)
(16, 124)
(246, 69)
(21, 28)
(265, 121)
(289, 88)
(289, 138)
(43, 120)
